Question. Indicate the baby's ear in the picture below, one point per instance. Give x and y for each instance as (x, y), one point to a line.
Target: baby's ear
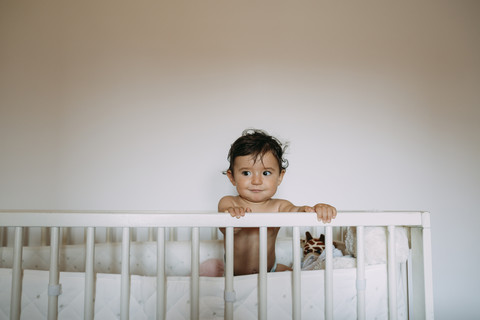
(230, 177)
(280, 177)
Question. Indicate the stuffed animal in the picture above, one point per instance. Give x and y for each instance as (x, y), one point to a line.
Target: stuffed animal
(314, 255)
(312, 245)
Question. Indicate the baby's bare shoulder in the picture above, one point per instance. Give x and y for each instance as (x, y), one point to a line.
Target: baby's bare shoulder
(227, 198)
(282, 205)
(226, 202)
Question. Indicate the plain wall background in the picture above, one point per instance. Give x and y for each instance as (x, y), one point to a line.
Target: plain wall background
(133, 105)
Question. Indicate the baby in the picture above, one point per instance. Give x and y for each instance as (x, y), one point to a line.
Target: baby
(256, 170)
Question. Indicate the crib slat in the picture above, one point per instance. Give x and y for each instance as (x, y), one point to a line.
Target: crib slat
(89, 274)
(229, 290)
(16, 293)
(410, 282)
(328, 273)
(125, 276)
(360, 273)
(392, 277)
(262, 275)
(296, 292)
(54, 288)
(194, 287)
(161, 288)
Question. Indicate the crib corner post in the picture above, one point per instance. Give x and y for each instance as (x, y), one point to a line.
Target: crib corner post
(421, 273)
(427, 265)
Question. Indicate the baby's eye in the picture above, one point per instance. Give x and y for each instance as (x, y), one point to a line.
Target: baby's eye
(246, 173)
(267, 173)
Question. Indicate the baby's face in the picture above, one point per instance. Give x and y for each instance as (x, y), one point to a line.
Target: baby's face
(256, 180)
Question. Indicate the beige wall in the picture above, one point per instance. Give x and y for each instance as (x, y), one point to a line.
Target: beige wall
(133, 105)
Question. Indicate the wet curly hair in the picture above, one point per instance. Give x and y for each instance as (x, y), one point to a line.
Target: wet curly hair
(255, 142)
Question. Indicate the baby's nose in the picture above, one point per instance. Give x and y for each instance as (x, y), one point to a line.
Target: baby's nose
(256, 179)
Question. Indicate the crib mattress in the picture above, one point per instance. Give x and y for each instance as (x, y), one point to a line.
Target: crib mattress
(143, 295)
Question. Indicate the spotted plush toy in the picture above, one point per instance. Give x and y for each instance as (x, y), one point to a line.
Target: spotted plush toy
(313, 245)
(313, 258)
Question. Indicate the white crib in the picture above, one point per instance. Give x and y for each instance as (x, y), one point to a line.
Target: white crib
(223, 295)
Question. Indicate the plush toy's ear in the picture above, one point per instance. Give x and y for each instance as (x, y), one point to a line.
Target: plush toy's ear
(322, 238)
(308, 236)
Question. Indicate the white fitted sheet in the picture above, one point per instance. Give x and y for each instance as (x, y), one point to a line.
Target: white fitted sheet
(143, 295)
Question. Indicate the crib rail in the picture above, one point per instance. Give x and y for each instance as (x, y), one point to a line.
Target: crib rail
(41, 218)
(421, 256)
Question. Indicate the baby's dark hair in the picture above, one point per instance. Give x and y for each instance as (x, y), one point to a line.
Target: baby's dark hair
(254, 142)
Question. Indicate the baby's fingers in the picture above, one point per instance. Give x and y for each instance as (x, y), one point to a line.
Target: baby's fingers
(325, 213)
(236, 212)
(241, 213)
(232, 212)
(334, 212)
(323, 216)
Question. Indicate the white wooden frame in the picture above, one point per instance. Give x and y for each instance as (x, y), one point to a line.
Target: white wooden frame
(420, 298)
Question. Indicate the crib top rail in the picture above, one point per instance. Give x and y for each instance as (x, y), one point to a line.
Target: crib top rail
(44, 218)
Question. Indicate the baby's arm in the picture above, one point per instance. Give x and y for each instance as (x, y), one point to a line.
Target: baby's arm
(227, 205)
(324, 212)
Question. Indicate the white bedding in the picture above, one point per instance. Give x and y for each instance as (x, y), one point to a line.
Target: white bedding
(143, 295)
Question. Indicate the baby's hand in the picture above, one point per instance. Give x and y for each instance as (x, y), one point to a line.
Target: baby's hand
(325, 212)
(238, 212)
